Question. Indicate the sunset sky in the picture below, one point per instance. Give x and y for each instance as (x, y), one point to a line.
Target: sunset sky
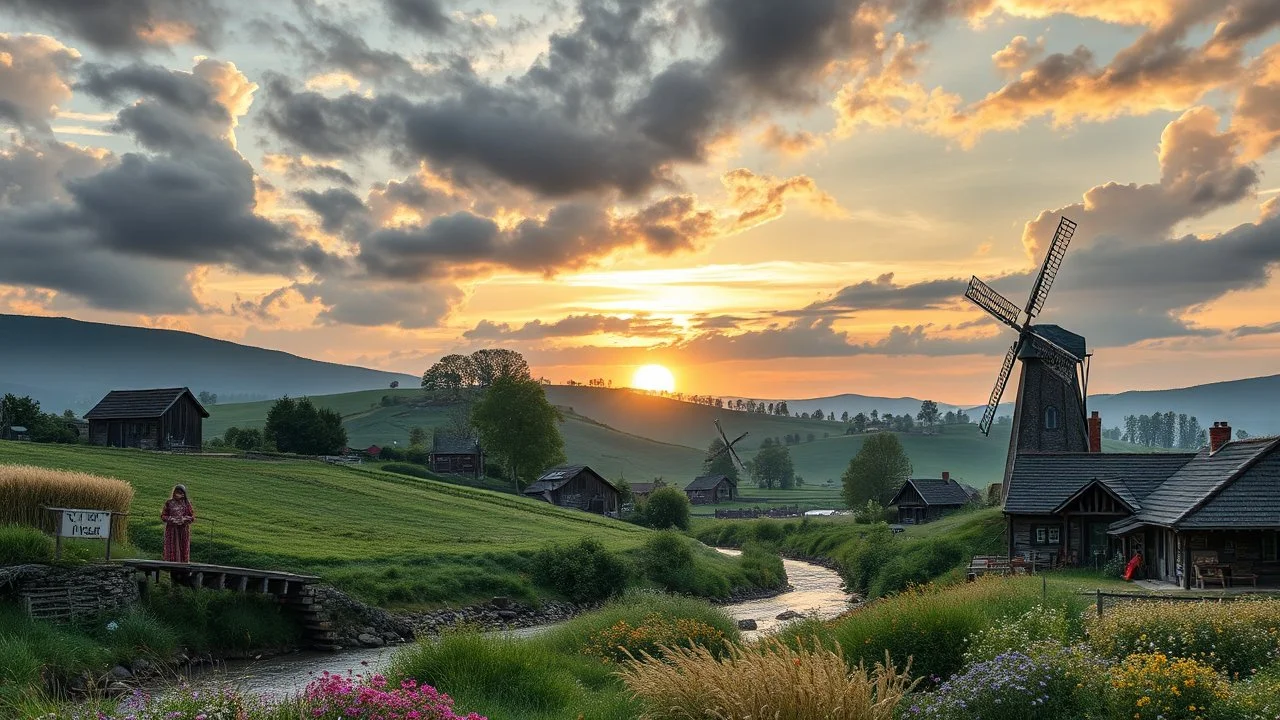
(772, 198)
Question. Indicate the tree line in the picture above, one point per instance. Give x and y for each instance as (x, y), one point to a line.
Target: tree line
(1167, 430)
(25, 412)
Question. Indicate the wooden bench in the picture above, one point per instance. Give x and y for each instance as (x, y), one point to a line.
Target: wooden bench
(1243, 571)
(1206, 572)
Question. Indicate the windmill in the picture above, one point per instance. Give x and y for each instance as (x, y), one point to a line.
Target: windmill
(1049, 414)
(728, 447)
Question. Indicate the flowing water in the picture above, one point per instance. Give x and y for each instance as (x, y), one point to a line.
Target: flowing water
(816, 591)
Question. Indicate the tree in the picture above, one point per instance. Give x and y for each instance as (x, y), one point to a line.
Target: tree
(928, 414)
(844, 416)
(875, 416)
(297, 426)
(519, 427)
(817, 415)
(1195, 434)
(1131, 429)
(395, 384)
(719, 462)
(859, 423)
(667, 507)
(493, 364)
(876, 472)
(772, 466)
(18, 412)
(449, 374)
(417, 437)
(208, 398)
(246, 439)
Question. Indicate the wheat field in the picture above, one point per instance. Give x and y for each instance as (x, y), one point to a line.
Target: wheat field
(27, 490)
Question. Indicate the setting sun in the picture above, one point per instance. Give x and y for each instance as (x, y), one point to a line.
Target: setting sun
(653, 377)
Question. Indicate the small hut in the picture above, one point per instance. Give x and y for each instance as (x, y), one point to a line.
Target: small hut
(456, 456)
(711, 490)
(577, 486)
(162, 419)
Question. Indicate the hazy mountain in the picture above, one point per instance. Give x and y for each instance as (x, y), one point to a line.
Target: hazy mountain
(1248, 404)
(67, 363)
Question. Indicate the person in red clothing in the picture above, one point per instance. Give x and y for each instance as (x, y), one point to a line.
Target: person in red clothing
(178, 516)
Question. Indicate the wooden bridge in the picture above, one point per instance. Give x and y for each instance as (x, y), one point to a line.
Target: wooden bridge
(294, 592)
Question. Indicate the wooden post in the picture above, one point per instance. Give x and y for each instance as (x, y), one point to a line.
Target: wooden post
(244, 583)
(1099, 602)
(110, 522)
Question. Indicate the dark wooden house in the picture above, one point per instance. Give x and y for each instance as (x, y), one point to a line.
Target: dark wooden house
(456, 456)
(1219, 507)
(166, 419)
(640, 491)
(711, 490)
(922, 500)
(577, 486)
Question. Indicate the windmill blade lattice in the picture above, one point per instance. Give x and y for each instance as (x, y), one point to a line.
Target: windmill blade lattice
(1059, 361)
(1049, 270)
(993, 403)
(728, 446)
(1000, 307)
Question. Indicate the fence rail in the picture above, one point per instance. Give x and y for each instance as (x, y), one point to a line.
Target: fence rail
(1104, 599)
(753, 513)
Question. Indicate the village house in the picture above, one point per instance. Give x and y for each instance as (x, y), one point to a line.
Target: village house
(456, 456)
(162, 419)
(922, 500)
(640, 491)
(577, 486)
(1209, 516)
(711, 490)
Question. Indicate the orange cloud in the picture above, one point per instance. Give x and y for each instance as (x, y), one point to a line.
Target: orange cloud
(795, 144)
(1018, 54)
(762, 198)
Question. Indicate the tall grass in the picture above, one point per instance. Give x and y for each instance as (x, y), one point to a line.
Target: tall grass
(772, 681)
(19, 544)
(28, 490)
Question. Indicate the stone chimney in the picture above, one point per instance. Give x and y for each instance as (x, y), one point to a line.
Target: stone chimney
(945, 476)
(1095, 433)
(1219, 435)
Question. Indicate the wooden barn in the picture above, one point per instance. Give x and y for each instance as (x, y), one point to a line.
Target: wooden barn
(166, 419)
(577, 486)
(1212, 514)
(922, 500)
(640, 491)
(456, 456)
(711, 490)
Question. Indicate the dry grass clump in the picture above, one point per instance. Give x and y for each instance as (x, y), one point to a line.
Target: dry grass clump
(770, 681)
(27, 490)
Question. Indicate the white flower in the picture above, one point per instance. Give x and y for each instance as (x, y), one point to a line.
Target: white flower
(113, 626)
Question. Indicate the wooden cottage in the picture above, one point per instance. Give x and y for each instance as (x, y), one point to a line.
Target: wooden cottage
(640, 491)
(922, 500)
(1214, 513)
(456, 456)
(711, 490)
(577, 486)
(167, 419)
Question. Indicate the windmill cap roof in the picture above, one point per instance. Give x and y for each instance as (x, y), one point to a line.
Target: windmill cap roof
(1059, 336)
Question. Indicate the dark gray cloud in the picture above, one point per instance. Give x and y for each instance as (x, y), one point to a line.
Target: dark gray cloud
(129, 25)
(422, 15)
(330, 127)
(338, 208)
(34, 79)
(572, 326)
(1246, 330)
(354, 299)
(883, 294)
(34, 171)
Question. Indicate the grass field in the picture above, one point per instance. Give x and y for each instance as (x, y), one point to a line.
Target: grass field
(390, 538)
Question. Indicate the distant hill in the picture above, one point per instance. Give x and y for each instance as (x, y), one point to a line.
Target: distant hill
(67, 363)
(1248, 404)
(854, 404)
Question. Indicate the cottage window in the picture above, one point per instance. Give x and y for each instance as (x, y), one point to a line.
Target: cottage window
(1046, 535)
(1269, 543)
(1051, 418)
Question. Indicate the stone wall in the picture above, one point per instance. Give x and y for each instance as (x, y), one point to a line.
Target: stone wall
(66, 592)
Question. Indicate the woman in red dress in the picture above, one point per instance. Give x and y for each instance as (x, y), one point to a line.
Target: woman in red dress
(178, 516)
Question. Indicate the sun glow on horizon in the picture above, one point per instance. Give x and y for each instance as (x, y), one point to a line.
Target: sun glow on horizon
(653, 377)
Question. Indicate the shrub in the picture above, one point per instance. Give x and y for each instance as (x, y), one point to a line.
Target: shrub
(762, 568)
(1038, 624)
(28, 490)
(1151, 685)
(772, 681)
(334, 697)
(1050, 683)
(20, 545)
(407, 469)
(574, 636)
(653, 636)
(583, 572)
(667, 507)
(1257, 698)
(1237, 638)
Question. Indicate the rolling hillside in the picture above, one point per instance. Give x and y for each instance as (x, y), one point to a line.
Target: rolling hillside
(66, 363)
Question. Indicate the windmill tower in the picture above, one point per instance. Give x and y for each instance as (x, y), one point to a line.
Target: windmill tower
(1049, 414)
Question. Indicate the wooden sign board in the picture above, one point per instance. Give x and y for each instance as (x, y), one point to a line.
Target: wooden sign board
(85, 524)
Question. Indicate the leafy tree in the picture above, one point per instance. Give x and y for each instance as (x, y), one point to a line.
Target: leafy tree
(491, 365)
(859, 423)
(297, 426)
(517, 425)
(19, 412)
(449, 374)
(1131, 428)
(719, 462)
(417, 437)
(207, 398)
(772, 466)
(1242, 435)
(246, 439)
(876, 472)
(667, 507)
(395, 384)
(1195, 434)
(871, 512)
(875, 415)
(817, 415)
(928, 414)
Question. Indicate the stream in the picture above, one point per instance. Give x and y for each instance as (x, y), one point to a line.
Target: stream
(815, 591)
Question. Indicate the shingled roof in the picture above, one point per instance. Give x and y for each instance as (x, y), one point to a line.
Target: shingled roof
(139, 404)
(708, 482)
(1043, 481)
(558, 477)
(450, 445)
(936, 491)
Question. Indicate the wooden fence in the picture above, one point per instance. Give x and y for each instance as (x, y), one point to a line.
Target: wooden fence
(753, 513)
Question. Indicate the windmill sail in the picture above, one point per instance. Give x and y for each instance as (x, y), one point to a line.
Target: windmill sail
(1049, 270)
(989, 415)
(1059, 361)
(1000, 307)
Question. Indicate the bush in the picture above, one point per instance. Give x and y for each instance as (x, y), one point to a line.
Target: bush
(1039, 624)
(1257, 698)
(654, 636)
(666, 507)
(583, 572)
(774, 681)
(762, 568)
(1151, 685)
(407, 469)
(576, 635)
(1048, 682)
(1237, 638)
(20, 545)
(28, 490)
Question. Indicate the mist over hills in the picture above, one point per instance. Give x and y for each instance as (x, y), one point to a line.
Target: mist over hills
(67, 363)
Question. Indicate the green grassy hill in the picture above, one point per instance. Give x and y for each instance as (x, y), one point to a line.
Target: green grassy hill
(389, 538)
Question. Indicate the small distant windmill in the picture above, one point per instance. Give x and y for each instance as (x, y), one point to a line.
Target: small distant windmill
(1049, 414)
(728, 447)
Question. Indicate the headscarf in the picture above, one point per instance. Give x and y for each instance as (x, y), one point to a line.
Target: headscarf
(183, 489)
